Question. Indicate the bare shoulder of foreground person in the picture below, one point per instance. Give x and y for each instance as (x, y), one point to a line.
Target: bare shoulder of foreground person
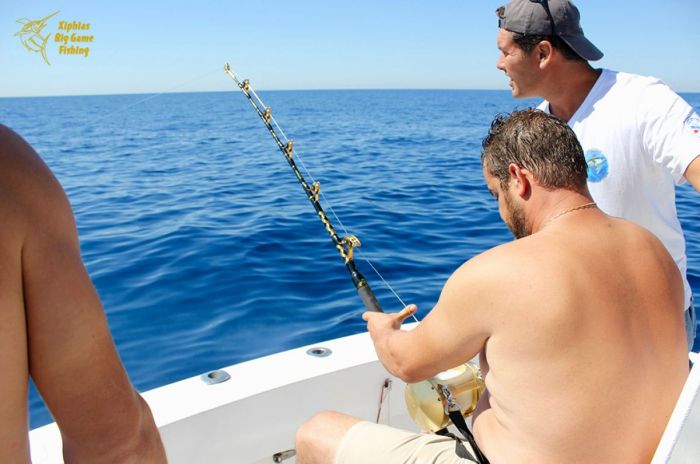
(53, 328)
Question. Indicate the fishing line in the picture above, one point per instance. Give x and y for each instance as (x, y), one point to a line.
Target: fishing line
(346, 244)
(150, 97)
(299, 156)
(389, 286)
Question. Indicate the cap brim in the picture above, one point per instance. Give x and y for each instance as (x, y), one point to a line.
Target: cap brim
(583, 47)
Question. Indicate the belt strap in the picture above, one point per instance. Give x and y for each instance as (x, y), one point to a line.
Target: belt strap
(458, 421)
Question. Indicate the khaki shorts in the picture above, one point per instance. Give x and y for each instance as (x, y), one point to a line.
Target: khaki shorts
(368, 443)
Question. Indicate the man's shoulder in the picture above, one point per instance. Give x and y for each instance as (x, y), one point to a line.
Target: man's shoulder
(626, 101)
(503, 259)
(14, 150)
(29, 190)
(637, 237)
(485, 276)
(9, 141)
(650, 87)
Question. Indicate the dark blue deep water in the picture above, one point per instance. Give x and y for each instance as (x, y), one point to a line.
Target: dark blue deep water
(202, 245)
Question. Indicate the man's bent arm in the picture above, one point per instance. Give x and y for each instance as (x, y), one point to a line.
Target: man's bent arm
(454, 331)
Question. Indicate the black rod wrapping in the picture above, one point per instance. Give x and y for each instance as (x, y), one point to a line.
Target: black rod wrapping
(363, 289)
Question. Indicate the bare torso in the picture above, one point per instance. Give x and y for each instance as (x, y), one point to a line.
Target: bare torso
(588, 355)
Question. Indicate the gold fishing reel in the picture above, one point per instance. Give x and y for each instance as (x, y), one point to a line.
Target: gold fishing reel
(430, 401)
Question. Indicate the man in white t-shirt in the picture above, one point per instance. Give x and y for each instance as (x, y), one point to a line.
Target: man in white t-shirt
(639, 137)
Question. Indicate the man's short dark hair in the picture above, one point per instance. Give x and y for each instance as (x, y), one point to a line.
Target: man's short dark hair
(529, 42)
(538, 142)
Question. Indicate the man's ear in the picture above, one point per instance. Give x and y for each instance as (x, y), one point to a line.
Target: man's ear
(519, 180)
(544, 51)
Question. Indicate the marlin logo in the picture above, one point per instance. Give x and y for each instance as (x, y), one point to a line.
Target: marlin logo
(30, 35)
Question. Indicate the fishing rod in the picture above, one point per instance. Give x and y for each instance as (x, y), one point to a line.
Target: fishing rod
(344, 245)
(432, 403)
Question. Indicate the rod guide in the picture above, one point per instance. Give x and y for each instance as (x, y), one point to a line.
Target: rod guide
(350, 242)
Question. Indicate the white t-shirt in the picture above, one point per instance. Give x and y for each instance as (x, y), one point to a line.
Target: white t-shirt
(639, 138)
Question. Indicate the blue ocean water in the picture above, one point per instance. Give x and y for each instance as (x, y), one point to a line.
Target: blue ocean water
(202, 245)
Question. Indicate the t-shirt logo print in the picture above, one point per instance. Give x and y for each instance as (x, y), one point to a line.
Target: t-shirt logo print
(597, 165)
(693, 123)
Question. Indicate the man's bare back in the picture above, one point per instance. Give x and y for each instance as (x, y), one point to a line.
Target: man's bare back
(53, 329)
(588, 351)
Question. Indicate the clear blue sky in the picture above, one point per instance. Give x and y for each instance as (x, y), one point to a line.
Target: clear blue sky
(156, 46)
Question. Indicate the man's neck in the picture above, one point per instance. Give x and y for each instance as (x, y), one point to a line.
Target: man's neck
(569, 87)
(554, 204)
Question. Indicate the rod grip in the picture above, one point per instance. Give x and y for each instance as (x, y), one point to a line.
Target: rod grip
(368, 298)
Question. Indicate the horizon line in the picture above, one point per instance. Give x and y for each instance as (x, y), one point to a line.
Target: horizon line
(330, 89)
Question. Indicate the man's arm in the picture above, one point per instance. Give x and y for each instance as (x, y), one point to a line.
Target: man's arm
(454, 331)
(692, 173)
(72, 357)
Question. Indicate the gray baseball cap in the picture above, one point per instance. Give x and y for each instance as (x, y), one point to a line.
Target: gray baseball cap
(549, 17)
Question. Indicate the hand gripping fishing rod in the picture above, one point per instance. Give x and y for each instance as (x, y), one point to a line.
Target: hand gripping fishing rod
(344, 245)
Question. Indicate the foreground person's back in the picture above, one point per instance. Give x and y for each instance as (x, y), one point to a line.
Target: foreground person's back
(591, 356)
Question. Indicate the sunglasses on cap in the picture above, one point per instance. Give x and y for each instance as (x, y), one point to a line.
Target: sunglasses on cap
(545, 5)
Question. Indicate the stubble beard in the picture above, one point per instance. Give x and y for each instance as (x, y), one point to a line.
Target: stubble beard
(516, 220)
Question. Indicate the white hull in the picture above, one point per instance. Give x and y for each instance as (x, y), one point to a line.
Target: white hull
(255, 414)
